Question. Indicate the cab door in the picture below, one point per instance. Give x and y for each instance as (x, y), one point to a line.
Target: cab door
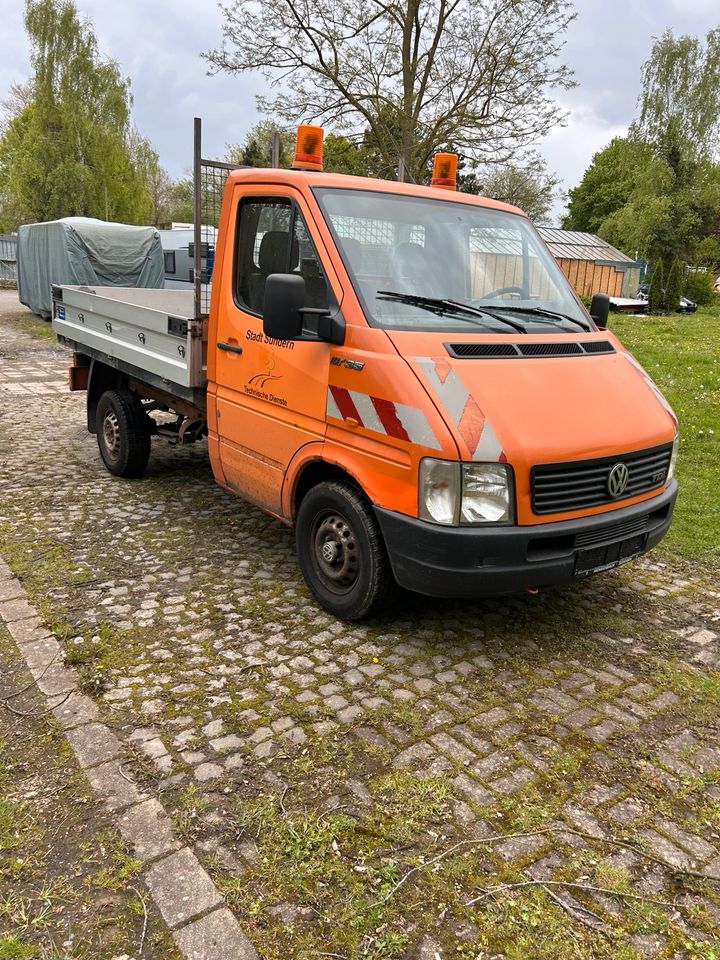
(271, 394)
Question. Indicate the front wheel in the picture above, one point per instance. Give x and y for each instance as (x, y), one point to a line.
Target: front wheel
(123, 433)
(341, 552)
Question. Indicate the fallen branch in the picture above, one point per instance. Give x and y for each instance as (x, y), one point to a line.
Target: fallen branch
(38, 713)
(457, 846)
(571, 885)
(678, 871)
(575, 912)
(29, 686)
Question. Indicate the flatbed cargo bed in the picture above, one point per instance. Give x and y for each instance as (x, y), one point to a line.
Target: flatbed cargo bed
(150, 334)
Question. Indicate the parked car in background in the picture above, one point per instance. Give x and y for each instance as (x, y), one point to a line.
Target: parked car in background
(685, 306)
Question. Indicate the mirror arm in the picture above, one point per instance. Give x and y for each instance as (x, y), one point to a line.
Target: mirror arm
(329, 327)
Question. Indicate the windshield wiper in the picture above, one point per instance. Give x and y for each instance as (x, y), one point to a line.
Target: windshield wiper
(542, 312)
(441, 306)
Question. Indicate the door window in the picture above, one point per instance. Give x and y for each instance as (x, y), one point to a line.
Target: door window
(272, 237)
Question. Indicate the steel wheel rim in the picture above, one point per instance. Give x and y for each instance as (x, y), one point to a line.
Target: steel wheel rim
(335, 551)
(111, 435)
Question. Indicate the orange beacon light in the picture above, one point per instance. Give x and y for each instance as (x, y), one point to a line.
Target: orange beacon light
(444, 173)
(308, 148)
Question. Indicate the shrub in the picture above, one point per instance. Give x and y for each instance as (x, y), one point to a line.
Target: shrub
(656, 293)
(674, 285)
(699, 287)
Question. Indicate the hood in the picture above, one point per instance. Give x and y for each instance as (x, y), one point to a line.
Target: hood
(540, 409)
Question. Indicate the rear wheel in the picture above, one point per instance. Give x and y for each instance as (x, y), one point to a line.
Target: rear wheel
(341, 552)
(123, 433)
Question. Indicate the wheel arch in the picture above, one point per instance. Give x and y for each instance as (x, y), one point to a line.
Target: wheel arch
(317, 471)
(101, 378)
(308, 468)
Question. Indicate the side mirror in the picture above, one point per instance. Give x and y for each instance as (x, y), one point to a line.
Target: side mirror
(600, 309)
(284, 298)
(286, 318)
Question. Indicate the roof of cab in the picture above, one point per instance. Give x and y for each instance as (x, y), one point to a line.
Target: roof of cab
(305, 178)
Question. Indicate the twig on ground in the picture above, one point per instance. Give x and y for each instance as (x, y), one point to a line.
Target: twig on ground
(141, 898)
(615, 842)
(571, 885)
(123, 774)
(678, 871)
(33, 682)
(38, 713)
(457, 846)
(576, 912)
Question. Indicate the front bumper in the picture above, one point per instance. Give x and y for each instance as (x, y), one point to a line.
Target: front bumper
(485, 561)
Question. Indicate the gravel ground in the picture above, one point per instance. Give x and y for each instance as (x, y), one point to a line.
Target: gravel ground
(316, 764)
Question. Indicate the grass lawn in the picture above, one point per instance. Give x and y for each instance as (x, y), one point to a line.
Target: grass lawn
(682, 354)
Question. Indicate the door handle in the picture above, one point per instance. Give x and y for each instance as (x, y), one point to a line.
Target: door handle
(230, 347)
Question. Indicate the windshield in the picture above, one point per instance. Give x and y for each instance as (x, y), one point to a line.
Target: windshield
(416, 262)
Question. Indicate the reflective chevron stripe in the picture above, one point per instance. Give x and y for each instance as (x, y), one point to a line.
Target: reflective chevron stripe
(382, 416)
(462, 408)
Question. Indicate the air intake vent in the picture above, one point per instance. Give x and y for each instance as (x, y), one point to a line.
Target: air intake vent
(482, 350)
(598, 346)
(550, 349)
(470, 350)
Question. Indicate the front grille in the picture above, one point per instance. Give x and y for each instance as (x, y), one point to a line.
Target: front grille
(468, 350)
(579, 484)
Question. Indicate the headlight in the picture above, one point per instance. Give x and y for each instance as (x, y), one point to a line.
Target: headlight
(439, 483)
(486, 493)
(673, 458)
(451, 493)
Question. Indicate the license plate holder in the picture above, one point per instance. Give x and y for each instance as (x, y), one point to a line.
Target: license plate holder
(597, 559)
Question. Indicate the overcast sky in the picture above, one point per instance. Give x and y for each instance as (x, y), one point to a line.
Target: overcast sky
(158, 45)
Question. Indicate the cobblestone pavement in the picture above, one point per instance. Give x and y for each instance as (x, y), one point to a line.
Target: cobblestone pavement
(315, 764)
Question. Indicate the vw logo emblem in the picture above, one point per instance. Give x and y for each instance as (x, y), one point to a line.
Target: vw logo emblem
(617, 480)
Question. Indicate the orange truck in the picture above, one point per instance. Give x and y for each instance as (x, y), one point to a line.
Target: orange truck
(400, 372)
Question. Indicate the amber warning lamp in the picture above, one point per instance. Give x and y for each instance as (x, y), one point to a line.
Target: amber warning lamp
(444, 173)
(308, 148)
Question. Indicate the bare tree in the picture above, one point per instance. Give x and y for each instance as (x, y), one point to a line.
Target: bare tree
(526, 184)
(414, 74)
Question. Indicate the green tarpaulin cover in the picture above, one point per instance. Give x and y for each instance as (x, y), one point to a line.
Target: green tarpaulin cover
(84, 251)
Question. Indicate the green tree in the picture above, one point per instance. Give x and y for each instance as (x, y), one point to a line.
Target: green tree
(153, 177)
(66, 151)
(656, 193)
(416, 74)
(673, 286)
(680, 97)
(256, 148)
(607, 184)
(656, 293)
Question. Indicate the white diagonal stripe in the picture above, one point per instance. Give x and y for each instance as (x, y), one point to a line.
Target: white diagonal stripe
(489, 447)
(416, 426)
(453, 393)
(368, 413)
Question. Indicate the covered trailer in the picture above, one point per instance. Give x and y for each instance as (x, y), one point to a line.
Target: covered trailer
(86, 252)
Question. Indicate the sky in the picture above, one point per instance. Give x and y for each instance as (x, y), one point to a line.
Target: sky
(158, 46)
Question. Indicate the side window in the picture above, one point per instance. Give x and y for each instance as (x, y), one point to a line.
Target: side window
(309, 266)
(169, 261)
(263, 241)
(264, 246)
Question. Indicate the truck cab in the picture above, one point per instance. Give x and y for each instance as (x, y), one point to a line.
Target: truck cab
(405, 375)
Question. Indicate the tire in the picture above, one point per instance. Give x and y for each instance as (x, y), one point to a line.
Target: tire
(341, 552)
(123, 433)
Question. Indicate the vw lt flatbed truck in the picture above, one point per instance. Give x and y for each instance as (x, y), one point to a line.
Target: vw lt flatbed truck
(400, 372)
